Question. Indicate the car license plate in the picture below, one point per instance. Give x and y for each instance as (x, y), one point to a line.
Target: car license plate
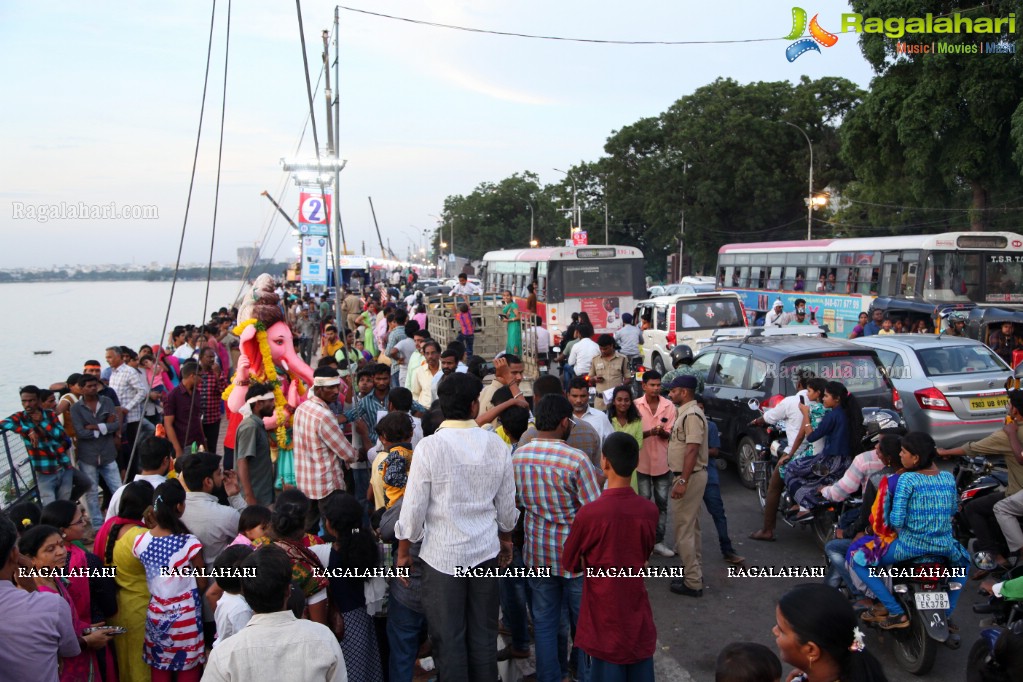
(932, 601)
(992, 403)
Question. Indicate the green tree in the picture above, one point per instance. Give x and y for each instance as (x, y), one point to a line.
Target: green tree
(941, 131)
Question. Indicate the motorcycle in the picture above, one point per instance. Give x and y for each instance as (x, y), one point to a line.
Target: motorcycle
(976, 477)
(922, 586)
(987, 659)
(824, 517)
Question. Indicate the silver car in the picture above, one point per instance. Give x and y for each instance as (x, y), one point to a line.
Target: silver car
(952, 388)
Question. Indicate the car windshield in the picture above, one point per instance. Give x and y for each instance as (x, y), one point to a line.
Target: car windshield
(959, 360)
(858, 373)
(708, 313)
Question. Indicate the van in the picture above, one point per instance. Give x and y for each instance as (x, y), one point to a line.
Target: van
(689, 319)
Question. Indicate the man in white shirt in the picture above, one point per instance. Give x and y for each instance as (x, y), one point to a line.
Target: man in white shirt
(579, 396)
(775, 315)
(275, 645)
(154, 455)
(460, 501)
(421, 381)
(583, 352)
(464, 288)
(628, 338)
(794, 414)
(215, 524)
(131, 393)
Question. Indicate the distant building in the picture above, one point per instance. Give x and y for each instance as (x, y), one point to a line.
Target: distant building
(246, 254)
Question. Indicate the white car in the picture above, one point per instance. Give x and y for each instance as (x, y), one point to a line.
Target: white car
(687, 319)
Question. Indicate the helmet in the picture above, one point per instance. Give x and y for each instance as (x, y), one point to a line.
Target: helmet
(880, 422)
(681, 355)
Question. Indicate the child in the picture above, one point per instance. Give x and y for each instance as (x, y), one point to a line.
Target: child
(747, 662)
(174, 640)
(466, 332)
(618, 530)
(394, 432)
(232, 612)
(886, 328)
(253, 523)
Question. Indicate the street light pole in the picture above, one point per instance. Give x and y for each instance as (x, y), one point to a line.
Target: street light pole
(809, 190)
(530, 205)
(577, 218)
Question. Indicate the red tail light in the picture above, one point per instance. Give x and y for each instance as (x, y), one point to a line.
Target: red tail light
(932, 399)
(968, 495)
(773, 401)
(670, 339)
(896, 399)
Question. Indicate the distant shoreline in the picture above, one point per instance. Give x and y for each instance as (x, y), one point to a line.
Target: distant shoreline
(189, 274)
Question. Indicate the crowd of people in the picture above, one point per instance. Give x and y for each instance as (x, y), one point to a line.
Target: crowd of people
(259, 553)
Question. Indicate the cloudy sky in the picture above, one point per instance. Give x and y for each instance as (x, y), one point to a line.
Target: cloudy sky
(102, 100)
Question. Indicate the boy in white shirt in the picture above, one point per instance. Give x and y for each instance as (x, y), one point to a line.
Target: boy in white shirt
(232, 611)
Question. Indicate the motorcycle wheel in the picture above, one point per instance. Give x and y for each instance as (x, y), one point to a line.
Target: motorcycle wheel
(824, 527)
(657, 364)
(977, 663)
(763, 485)
(914, 650)
(745, 455)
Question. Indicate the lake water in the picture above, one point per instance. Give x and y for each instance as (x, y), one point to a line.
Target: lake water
(79, 320)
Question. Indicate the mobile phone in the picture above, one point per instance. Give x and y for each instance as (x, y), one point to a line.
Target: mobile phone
(112, 629)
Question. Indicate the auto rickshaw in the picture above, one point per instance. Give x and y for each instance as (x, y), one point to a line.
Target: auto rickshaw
(982, 322)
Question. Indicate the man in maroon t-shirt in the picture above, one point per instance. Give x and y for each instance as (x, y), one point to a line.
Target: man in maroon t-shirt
(609, 536)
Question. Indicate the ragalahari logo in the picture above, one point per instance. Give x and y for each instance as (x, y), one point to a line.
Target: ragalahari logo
(803, 45)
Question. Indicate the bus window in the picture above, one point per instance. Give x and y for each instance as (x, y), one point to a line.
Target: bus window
(890, 274)
(541, 289)
(743, 276)
(788, 282)
(774, 277)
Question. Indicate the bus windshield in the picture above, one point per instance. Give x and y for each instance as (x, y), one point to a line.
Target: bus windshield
(594, 278)
(957, 277)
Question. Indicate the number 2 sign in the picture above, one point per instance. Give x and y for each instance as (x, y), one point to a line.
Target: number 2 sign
(313, 209)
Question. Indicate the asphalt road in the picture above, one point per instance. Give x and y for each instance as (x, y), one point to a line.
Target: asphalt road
(691, 631)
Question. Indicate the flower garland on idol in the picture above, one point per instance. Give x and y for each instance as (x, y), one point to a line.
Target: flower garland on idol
(285, 418)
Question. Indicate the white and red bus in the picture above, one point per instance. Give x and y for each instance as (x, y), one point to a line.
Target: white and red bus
(602, 281)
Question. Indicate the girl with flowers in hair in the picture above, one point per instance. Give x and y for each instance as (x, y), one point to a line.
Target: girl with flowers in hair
(817, 632)
(268, 355)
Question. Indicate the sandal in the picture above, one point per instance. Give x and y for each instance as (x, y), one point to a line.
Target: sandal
(894, 622)
(762, 536)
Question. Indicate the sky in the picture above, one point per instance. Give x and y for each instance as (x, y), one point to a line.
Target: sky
(101, 108)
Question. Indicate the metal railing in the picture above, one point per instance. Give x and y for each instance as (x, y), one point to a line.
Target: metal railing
(17, 478)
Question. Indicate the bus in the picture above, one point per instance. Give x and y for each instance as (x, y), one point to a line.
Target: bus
(840, 278)
(602, 281)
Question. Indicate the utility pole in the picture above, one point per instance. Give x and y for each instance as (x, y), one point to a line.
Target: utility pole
(681, 243)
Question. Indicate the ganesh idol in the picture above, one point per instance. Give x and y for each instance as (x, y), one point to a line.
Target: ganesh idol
(268, 356)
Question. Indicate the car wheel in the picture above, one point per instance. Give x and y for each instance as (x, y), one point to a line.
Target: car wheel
(657, 364)
(745, 455)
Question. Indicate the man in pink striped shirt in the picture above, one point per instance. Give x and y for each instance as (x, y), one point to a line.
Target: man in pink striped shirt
(652, 476)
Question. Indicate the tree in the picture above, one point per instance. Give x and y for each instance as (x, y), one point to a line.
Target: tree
(936, 130)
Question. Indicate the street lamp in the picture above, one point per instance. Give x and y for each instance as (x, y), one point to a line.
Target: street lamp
(576, 213)
(532, 241)
(809, 190)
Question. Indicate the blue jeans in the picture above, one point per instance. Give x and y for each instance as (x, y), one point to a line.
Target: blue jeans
(361, 479)
(716, 506)
(548, 595)
(404, 627)
(514, 595)
(602, 671)
(112, 475)
(55, 486)
(839, 572)
(467, 340)
(567, 374)
(877, 585)
(656, 488)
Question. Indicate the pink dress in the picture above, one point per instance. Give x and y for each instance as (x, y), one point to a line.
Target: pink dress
(83, 667)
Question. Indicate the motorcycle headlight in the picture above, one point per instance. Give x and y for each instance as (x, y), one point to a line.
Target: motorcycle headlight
(985, 561)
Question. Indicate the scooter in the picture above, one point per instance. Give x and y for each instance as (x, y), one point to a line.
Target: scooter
(976, 477)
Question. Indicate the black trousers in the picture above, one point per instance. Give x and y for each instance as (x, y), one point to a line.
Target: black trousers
(981, 515)
(212, 433)
(462, 623)
(131, 430)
